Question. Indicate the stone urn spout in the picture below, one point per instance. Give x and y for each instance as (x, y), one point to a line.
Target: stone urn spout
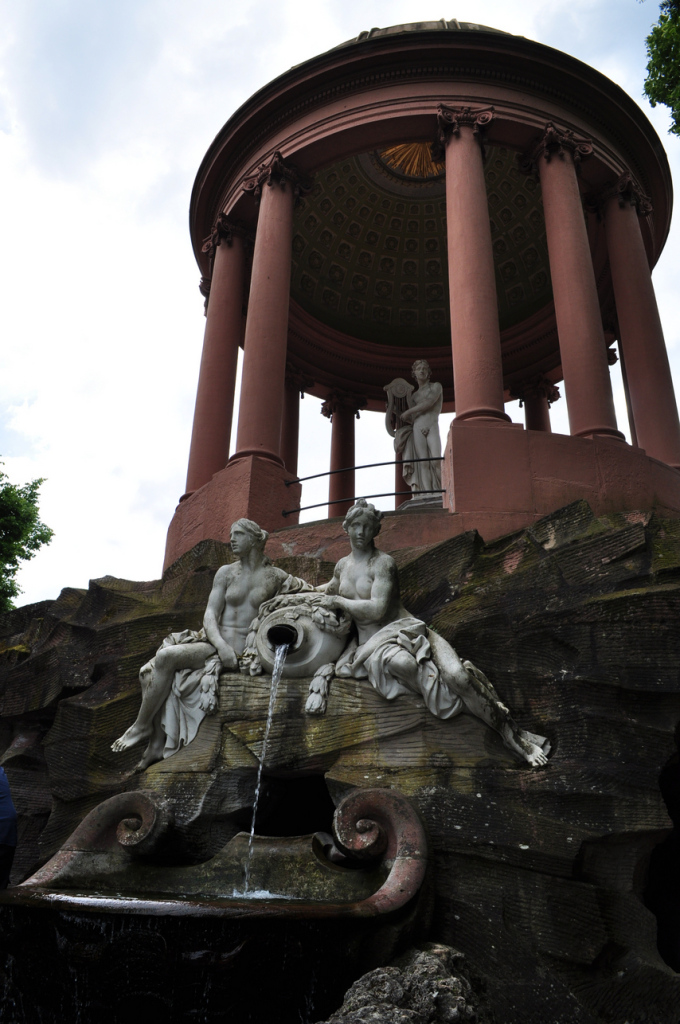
(315, 633)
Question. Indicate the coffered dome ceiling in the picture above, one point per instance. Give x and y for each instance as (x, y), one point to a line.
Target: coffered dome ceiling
(369, 247)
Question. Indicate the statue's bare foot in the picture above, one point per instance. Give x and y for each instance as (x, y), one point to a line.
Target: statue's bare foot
(539, 741)
(528, 745)
(150, 756)
(131, 738)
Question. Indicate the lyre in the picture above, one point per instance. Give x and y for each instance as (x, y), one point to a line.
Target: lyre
(399, 398)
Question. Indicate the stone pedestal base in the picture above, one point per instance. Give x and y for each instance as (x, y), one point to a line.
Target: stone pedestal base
(498, 478)
(502, 471)
(250, 487)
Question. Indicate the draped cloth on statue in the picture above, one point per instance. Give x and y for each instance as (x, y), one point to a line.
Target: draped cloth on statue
(194, 691)
(419, 476)
(193, 694)
(404, 445)
(371, 661)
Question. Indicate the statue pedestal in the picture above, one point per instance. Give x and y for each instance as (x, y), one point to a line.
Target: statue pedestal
(249, 487)
(507, 477)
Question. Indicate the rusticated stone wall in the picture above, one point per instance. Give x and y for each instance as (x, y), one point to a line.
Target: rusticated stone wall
(541, 878)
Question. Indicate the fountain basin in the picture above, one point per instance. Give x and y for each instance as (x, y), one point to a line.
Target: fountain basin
(149, 962)
(285, 868)
(374, 863)
(106, 931)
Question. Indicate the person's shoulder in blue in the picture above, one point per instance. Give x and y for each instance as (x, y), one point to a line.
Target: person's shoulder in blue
(8, 830)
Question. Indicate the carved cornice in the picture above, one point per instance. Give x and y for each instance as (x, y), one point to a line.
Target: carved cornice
(223, 230)
(337, 400)
(555, 142)
(537, 387)
(522, 77)
(450, 120)
(626, 190)
(277, 172)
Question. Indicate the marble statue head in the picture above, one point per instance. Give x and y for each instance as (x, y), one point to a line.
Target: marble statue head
(364, 508)
(424, 364)
(258, 535)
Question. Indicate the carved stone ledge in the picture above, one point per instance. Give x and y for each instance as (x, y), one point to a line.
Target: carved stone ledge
(277, 173)
(537, 387)
(343, 400)
(626, 190)
(555, 142)
(450, 120)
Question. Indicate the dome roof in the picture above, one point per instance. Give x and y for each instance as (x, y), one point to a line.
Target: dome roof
(369, 275)
(422, 26)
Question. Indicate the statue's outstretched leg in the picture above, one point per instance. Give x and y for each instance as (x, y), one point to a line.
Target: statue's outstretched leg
(155, 746)
(481, 700)
(532, 748)
(156, 681)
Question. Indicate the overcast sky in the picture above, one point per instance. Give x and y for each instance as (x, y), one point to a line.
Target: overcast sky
(106, 109)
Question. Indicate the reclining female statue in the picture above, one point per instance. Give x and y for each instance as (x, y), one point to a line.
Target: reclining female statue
(179, 685)
(397, 653)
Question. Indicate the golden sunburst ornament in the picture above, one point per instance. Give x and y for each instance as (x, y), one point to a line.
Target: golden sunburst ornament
(413, 160)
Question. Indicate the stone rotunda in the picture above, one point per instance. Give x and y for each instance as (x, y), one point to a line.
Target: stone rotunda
(435, 191)
(446, 191)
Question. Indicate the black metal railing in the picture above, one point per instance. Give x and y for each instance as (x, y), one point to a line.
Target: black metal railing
(369, 465)
(356, 497)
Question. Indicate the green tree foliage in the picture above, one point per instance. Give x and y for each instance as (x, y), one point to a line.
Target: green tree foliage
(663, 70)
(21, 534)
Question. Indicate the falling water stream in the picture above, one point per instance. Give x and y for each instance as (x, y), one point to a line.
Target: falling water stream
(279, 662)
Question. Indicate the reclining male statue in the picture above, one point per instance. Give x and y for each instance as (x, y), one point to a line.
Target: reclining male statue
(397, 653)
(179, 684)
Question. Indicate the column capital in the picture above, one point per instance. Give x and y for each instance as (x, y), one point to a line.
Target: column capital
(277, 171)
(298, 379)
(536, 387)
(555, 142)
(223, 230)
(337, 400)
(450, 120)
(626, 190)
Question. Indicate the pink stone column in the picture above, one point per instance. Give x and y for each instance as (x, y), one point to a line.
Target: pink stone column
(537, 414)
(290, 427)
(266, 337)
(536, 396)
(577, 309)
(475, 334)
(211, 432)
(296, 383)
(342, 410)
(650, 386)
